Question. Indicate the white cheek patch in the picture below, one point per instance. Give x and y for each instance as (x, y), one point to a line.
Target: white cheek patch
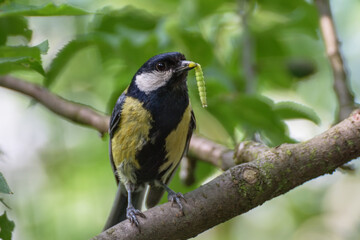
(150, 81)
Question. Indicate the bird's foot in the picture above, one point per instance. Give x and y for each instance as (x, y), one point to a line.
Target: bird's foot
(131, 213)
(174, 197)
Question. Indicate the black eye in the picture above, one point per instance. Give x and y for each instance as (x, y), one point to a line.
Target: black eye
(161, 66)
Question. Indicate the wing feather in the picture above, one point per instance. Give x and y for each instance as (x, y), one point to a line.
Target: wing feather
(113, 126)
(155, 192)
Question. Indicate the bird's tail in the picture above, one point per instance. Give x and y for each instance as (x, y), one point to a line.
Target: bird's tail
(118, 210)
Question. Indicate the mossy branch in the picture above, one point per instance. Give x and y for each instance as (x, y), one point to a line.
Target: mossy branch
(267, 173)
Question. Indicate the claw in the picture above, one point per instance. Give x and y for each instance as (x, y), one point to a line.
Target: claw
(131, 213)
(176, 198)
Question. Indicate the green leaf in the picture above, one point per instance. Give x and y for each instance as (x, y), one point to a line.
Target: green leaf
(10, 64)
(43, 47)
(268, 45)
(281, 6)
(4, 203)
(13, 26)
(206, 7)
(134, 41)
(192, 42)
(199, 48)
(63, 57)
(49, 9)
(21, 51)
(22, 57)
(253, 113)
(6, 227)
(292, 110)
(4, 187)
(130, 17)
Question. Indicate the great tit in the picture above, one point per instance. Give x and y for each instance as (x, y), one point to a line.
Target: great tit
(150, 129)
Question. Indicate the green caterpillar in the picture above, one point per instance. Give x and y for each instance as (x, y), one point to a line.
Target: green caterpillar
(200, 84)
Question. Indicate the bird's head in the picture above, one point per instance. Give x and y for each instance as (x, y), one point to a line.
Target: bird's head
(163, 70)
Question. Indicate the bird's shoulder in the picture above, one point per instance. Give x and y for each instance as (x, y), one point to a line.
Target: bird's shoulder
(129, 113)
(116, 114)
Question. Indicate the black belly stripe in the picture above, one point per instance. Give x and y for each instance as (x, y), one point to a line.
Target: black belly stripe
(167, 110)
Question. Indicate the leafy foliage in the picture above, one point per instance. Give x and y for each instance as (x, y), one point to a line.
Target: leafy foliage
(4, 187)
(22, 58)
(49, 9)
(131, 33)
(63, 58)
(12, 26)
(6, 227)
(292, 110)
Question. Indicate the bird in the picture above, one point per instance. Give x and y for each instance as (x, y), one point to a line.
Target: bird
(150, 129)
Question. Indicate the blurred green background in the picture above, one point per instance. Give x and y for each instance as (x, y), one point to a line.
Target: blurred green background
(266, 73)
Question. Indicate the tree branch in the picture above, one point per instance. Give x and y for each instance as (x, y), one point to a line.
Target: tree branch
(187, 171)
(200, 148)
(72, 111)
(327, 27)
(208, 151)
(272, 172)
(247, 47)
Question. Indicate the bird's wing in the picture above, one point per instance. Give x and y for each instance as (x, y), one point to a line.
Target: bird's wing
(118, 210)
(114, 125)
(116, 114)
(155, 192)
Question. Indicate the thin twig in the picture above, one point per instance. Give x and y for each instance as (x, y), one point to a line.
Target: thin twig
(341, 84)
(211, 152)
(247, 49)
(187, 171)
(72, 111)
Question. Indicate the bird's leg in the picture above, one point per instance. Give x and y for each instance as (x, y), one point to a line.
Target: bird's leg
(174, 197)
(131, 212)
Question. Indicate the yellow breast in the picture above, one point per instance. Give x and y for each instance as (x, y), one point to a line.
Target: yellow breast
(176, 142)
(133, 133)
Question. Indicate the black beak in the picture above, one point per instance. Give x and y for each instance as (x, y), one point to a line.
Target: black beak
(185, 66)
